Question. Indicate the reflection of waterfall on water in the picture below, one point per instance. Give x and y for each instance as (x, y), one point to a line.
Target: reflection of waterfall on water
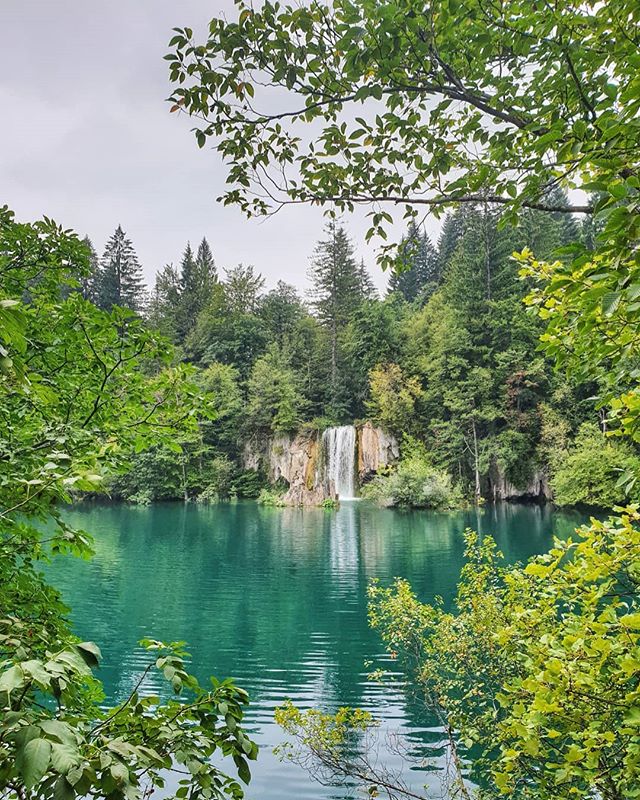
(344, 528)
(339, 446)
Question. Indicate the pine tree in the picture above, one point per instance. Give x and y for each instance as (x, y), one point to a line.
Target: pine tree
(419, 274)
(336, 291)
(206, 272)
(121, 282)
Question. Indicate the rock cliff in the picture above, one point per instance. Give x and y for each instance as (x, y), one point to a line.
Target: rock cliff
(376, 449)
(499, 487)
(300, 462)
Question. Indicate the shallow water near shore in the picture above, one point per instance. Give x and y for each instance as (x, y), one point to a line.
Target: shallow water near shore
(276, 599)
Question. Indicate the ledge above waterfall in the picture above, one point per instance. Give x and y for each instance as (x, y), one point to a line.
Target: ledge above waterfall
(320, 465)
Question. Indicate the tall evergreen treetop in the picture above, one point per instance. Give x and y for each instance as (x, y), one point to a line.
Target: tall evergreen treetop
(421, 269)
(206, 272)
(335, 277)
(164, 307)
(368, 289)
(188, 270)
(198, 276)
(89, 284)
(121, 282)
(336, 292)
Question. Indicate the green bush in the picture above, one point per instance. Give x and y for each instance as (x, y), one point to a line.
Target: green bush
(414, 483)
(271, 497)
(218, 473)
(248, 483)
(591, 470)
(330, 503)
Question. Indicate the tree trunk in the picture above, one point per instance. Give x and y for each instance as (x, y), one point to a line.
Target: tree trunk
(476, 460)
(184, 478)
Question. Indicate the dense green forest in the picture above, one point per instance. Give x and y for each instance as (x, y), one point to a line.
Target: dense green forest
(448, 359)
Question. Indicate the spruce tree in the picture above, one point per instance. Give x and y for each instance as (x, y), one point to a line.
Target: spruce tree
(188, 306)
(368, 289)
(452, 231)
(198, 276)
(206, 272)
(336, 292)
(121, 282)
(419, 273)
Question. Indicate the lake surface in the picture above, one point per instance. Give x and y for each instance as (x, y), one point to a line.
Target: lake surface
(276, 598)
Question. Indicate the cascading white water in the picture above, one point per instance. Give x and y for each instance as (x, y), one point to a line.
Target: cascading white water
(339, 446)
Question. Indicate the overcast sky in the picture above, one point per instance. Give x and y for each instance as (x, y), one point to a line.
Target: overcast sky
(87, 138)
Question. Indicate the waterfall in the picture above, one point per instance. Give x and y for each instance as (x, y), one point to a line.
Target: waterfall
(339, 446)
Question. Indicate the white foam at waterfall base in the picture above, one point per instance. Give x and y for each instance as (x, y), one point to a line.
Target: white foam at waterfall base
(339, 445)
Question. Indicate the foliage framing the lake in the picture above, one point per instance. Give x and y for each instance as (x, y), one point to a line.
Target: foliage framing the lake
(81, 390)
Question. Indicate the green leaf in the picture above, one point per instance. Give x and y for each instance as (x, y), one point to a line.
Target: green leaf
(90, 652)
(64, 758)
(119, 773)
(631, 621)
(32, 761)
(610, 303)
(11, 679)
(244, 773)
(63, 790)
(632, 716)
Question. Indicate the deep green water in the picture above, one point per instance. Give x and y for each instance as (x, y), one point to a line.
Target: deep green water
(276, 599)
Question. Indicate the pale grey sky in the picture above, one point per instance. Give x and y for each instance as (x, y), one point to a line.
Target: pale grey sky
(87, 138)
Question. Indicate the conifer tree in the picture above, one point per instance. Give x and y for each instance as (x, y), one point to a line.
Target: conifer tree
(368, 289)
(89, 284)
(188, 306)
(198, 276)
(164, 306)
(281, 308)
(121, 282)
(206, 272)
(450, 235)
(420, 271)
(336, 290)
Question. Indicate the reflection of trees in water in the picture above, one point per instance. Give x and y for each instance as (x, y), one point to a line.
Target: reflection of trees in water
(273, 597)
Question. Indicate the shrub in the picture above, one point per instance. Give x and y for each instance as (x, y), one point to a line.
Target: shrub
(330, 503)
(218, 475)
(591, 470)
(271, 497)
(414, 483)
(248, 483)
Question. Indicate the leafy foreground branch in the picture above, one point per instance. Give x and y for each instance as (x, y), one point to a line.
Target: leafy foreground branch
(533, 674)
(81, 390)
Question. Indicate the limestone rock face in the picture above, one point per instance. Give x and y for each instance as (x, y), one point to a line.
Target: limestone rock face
(376, 449)
(500, 488)
(300, 462)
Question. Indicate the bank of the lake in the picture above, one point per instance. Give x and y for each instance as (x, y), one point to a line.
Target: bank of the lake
(275, 597)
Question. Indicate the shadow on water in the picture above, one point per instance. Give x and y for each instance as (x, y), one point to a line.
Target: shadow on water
(276, 598)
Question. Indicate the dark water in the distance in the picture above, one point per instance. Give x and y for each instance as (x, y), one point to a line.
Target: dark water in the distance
(276, 599)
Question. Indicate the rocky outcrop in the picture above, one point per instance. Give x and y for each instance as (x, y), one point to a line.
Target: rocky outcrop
(376, 448)
(499, 487)
(299, 461)
(294, 460)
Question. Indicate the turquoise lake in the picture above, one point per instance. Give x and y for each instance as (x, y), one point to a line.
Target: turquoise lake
(276, 598)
